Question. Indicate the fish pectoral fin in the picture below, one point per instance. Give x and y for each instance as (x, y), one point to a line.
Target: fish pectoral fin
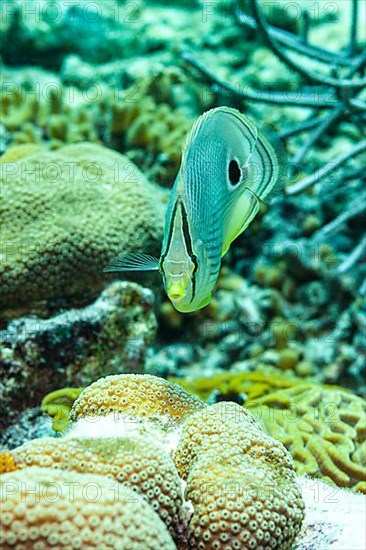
(132, 262)
(239, 217)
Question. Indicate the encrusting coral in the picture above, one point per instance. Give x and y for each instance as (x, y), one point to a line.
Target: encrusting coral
(241, 482)
(324, 429)
(141, 463)
(65, 214)
(47, 508)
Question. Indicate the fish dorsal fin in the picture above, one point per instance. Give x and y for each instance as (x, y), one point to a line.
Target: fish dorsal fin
(245, 208)
(132, 262)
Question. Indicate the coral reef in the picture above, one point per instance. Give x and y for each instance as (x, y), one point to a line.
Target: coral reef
(312, 265)
(274, 71)
(297, 328)
(240, 482)
(145, 120)
(146, 124)
(38, 109)
(288, 317)
(137, 396)
(65, 214)
(75, 347)
(139, 462)
(45, 507)
(324, 429)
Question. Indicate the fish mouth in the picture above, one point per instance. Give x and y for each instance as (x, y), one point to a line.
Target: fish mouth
(176, 292)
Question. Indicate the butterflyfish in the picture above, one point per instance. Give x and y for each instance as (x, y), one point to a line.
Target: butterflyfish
(228, 167)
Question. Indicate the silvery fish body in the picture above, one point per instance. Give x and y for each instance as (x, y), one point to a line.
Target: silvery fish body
(227, 168)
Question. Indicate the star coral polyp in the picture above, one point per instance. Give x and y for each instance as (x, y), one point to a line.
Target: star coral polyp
(45, 508)
(152, 438)
(140, 463)
(240, 482)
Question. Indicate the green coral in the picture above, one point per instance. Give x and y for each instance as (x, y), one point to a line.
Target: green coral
(57, 404)
(65, 214)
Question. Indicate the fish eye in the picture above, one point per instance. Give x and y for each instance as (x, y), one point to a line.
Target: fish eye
(234, 172)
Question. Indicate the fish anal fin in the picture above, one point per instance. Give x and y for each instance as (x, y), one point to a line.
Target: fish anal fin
(239, 217)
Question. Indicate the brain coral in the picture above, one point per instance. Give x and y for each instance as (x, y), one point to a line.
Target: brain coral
(324, 429)
(144, 396)
(145, 466)
(65, 214)
(47, 508)
(240, 482)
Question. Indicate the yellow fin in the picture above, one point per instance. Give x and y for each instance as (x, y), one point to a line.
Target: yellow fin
(205, 302)
(240, 216)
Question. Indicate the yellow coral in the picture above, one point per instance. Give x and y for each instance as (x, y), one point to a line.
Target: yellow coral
(145, 120)
(57, 405)
(17, 152)
(252, 384)
(240, 481)
(60, 116)
(44, 508)
(323, 427)
(7, 463)
(143, 396)
(133, 460)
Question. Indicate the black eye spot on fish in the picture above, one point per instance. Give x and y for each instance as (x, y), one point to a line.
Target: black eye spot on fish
(234, 172)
